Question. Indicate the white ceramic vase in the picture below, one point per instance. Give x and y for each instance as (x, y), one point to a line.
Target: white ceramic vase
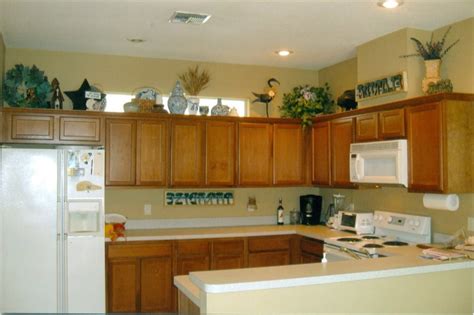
(193, 105)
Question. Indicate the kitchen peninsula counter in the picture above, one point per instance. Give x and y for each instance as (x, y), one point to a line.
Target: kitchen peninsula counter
(423, 284)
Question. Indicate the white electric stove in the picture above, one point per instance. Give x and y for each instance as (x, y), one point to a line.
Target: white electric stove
(390, 230)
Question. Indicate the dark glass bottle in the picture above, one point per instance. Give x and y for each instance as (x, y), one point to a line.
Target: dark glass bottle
(280, 210)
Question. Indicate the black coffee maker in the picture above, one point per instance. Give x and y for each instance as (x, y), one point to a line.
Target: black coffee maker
(310, 209)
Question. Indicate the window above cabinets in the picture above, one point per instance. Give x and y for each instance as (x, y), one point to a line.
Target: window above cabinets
(115, 103)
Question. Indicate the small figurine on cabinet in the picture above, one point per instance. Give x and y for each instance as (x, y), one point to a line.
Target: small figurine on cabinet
(57, 99)
(268, 94)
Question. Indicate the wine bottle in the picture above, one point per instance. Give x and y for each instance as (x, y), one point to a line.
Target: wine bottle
(280, 213)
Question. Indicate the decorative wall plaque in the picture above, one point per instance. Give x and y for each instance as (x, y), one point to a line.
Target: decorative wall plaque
(381, 87)
(199, 198)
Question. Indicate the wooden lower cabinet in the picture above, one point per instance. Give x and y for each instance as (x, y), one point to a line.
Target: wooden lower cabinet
(123, 285)
(228, 254)
(192, 255)
(311, 250)
(267, 251)
(156, 278)
(140, 277)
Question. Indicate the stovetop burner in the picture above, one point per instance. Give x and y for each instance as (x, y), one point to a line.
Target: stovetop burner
(395, 243)
(349, 239)
(370, 237)
(372, 245)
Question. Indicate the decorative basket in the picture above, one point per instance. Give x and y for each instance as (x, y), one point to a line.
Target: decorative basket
(145, 106)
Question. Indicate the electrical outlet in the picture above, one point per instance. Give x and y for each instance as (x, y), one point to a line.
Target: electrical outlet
(147, 209)
(470, 224)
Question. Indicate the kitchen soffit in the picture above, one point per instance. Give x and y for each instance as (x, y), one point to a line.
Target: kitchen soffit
(321, 32)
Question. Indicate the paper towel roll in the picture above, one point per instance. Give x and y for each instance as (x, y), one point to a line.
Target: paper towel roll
(441, 202)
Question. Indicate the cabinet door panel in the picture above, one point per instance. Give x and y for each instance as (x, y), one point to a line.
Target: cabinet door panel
(425, 148)
(156, 284)
(309, 258)
(120, 152)
(341, 139)
(288, 154)
(187, 264)
(220, 153)
(187, 153)
(29, 127)
(152, 147)
(366, 127)
(321, 153)
(392, 124)
(80, 129)
(123, 285)
(266, 259)
(255, 150)
(228, 254)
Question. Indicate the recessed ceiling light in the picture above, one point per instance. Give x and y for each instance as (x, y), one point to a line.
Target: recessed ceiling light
(136, 40)
(390, 4)
(283, 53)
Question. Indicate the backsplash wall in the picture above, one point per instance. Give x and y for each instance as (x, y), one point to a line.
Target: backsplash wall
(130, 202)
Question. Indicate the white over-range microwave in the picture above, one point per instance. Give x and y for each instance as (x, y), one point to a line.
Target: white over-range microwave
(381, 162)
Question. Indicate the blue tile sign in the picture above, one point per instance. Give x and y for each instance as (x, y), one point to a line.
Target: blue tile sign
(199, 198)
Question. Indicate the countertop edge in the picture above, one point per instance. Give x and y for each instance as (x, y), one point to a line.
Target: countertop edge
(325, 279)
(185, 285)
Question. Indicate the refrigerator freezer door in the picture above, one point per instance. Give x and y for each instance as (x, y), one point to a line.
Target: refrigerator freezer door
(86, 274)
(29, 195)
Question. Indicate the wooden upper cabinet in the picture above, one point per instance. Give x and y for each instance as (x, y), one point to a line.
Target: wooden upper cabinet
(288, 154)
(367, 128)
(341, 139)
(120, 152)
(152, 152)
(187, 153)
(31, 127)
(220, 153)
(321, 153)
(255, 154)
(82, 129)
(425, 148)
(392, 124)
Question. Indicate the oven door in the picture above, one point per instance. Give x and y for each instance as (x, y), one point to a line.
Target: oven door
(336, 253)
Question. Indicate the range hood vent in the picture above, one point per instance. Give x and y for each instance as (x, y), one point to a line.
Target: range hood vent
(189, 18)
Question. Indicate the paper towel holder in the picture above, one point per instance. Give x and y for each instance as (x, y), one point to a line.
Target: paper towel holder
(441, 202)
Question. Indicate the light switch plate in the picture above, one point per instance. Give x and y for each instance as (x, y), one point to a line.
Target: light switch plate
(470, 224)
(147, 209)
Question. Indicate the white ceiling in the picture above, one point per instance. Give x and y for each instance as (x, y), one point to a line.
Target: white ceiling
(321, 32)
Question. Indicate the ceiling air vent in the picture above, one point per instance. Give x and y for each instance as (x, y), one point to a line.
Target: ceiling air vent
(189, 18)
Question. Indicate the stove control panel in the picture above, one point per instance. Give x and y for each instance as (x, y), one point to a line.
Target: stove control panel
(402, 222)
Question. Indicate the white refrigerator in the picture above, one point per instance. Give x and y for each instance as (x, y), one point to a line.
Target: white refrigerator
(51, 230)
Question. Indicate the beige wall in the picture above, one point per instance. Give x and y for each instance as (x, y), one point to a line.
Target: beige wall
(2, 66)
(130, 202)
(125, 74)
(458, 65)
(340, 77)
(380, 57)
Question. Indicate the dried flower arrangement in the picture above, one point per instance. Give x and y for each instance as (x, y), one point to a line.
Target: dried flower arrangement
(432, 50)
(194, 80)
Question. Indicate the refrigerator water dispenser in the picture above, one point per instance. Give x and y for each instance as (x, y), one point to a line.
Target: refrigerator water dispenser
(84, 217)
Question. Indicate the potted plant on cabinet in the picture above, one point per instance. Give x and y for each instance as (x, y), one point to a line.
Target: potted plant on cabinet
(432, 53)
(305, 102)
(194, 81)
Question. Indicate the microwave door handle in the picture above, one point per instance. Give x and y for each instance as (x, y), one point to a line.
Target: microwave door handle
(358, 167)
